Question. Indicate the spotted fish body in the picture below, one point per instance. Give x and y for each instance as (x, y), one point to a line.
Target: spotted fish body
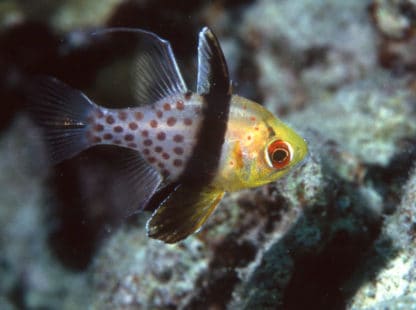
(187, 148)
(164, 134)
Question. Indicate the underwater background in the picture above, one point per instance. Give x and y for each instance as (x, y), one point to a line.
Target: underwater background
(338, 233)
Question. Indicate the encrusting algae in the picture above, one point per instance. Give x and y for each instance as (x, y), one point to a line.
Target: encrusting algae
(186, 149)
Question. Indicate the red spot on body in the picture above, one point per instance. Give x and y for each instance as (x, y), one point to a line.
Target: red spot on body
(179, 105)
(171, 121)
(178, 150)
(129, 137)
(118, 129)
(153, 123)
(146, 152)
(138, 116)
(165, 156)
(98, 127)
(187, 121)
(99, 114)
(165, 173)
(248, 137)
(122, 115)
(90, 119)
(252, 118)
(96, 140)
(133, 126)
(178, 162)
(188, 95)
(159, 114)
(151, 160)
(158, 149)
(132, 145)
(256, 128)
(178, 138)
(161, 165)
(110, 119)
(147, 142)
(145, 133)
(108, 136)
(161, 136)
(166, 106)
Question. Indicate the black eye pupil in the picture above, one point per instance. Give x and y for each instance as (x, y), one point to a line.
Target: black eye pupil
(279, 155)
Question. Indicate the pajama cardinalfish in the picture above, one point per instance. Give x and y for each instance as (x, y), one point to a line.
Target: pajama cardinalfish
(188, 148)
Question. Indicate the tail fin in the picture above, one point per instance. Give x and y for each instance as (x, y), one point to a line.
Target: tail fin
(63, 114)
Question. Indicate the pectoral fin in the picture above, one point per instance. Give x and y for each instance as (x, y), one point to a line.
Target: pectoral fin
(182, 213)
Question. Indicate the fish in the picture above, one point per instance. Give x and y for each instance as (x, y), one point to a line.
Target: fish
(188, 148)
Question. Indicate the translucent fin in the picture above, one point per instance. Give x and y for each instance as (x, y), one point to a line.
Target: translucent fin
(141, 180)
(182, 213)
(62, 113)
(157, 74)
(212, 68)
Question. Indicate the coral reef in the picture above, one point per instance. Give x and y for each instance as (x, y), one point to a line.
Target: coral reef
(337, 233)
(62, 15)
(147, 274)
(395, 286)
(30, 277)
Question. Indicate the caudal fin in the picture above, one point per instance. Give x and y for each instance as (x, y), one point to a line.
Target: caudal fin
(63, 114)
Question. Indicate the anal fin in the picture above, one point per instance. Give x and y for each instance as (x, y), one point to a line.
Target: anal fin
(137, 180)
(182, 213)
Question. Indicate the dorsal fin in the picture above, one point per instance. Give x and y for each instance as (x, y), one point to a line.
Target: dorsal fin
(213, 73)
(157, 74)
(214, 87)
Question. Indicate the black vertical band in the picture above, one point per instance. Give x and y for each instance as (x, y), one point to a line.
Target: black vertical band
(202, 167)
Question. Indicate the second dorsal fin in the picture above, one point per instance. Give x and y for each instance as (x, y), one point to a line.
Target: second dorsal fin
(156, 73)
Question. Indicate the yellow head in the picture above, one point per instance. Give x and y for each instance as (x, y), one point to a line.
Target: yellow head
(258, 147)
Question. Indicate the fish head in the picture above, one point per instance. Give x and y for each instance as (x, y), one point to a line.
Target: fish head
(260, 147)
(282, 150)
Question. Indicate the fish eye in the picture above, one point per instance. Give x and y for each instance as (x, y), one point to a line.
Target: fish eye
(278, 154)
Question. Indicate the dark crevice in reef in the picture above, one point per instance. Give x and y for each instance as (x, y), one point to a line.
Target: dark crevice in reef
(25, 49)
(319, 275)
(16, 295)
(217, 285)
(389, 180)
(319, 278)
(231, 4)
(328, 278)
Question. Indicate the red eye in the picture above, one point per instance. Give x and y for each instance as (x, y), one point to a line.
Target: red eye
(279, 154)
